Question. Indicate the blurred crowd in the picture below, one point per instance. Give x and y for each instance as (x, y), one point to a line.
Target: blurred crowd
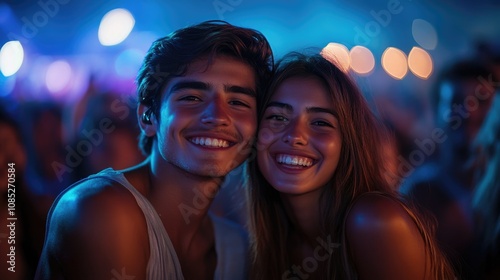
(53, 146)
(450, 171)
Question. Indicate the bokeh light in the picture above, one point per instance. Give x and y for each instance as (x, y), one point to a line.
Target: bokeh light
(7, 85)
(362, 60)
(128, 62)
(337, 54)
(11, 58)
(424, 34)
(394, 63)
(58, 76)
(420, 63)
(115, 27)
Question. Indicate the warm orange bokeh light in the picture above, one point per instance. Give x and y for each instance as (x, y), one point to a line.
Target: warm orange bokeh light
(394, 63)
(362, 60)
(420, 63)
(337, 54)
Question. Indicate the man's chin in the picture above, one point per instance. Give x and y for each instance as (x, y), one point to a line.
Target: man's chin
(211, 168)
(212, 172)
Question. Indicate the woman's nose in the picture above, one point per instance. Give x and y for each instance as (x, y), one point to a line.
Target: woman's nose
(295, 134)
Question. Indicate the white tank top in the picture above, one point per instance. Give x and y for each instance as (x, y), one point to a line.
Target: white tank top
(231, 240)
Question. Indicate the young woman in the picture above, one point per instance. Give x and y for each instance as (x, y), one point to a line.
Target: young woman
(320, 205)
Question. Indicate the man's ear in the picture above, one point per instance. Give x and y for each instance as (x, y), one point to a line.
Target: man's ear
(147, 120)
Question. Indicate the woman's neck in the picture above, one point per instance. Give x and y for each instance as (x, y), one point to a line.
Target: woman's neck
(309, 251)
(304, 213)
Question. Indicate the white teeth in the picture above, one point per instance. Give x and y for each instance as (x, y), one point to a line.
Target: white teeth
(294, 160)
(210, 142)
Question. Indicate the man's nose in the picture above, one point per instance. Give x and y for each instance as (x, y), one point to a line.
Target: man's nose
(216, 113)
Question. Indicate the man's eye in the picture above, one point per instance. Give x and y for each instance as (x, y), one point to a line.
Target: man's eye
(238, 103)
(190, 98)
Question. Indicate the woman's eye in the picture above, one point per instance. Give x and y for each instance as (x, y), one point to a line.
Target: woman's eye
(276, 118)
(322, 123)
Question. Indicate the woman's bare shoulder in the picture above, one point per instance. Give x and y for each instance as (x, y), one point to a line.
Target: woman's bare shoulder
(384, 239)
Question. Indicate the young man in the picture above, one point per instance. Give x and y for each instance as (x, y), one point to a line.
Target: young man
(198, 91)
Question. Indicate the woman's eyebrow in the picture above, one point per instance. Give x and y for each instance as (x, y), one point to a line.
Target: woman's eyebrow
(281, 105)
(289, 108)
(321, 110)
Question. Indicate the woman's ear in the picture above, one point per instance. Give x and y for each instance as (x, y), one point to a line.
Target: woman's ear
(147, 120)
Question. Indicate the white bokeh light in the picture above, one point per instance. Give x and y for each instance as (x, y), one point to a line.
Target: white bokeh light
(424, 34)
(115, 27)
(11, 58)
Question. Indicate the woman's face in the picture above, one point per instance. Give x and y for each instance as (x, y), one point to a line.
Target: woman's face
(299, 140)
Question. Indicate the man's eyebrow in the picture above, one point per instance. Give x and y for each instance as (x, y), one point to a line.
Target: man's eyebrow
(189, 85)
(239, 89)
(206, 86)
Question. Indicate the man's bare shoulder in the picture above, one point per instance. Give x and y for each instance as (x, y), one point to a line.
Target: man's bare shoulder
(96, 224)
(90, 201)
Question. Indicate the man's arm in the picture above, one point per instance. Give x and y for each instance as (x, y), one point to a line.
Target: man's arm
(384, 241)
(95, 232)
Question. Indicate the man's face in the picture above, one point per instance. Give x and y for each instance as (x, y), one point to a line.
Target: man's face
(208, 117)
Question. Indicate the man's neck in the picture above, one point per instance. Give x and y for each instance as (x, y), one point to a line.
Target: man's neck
(182, 200)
